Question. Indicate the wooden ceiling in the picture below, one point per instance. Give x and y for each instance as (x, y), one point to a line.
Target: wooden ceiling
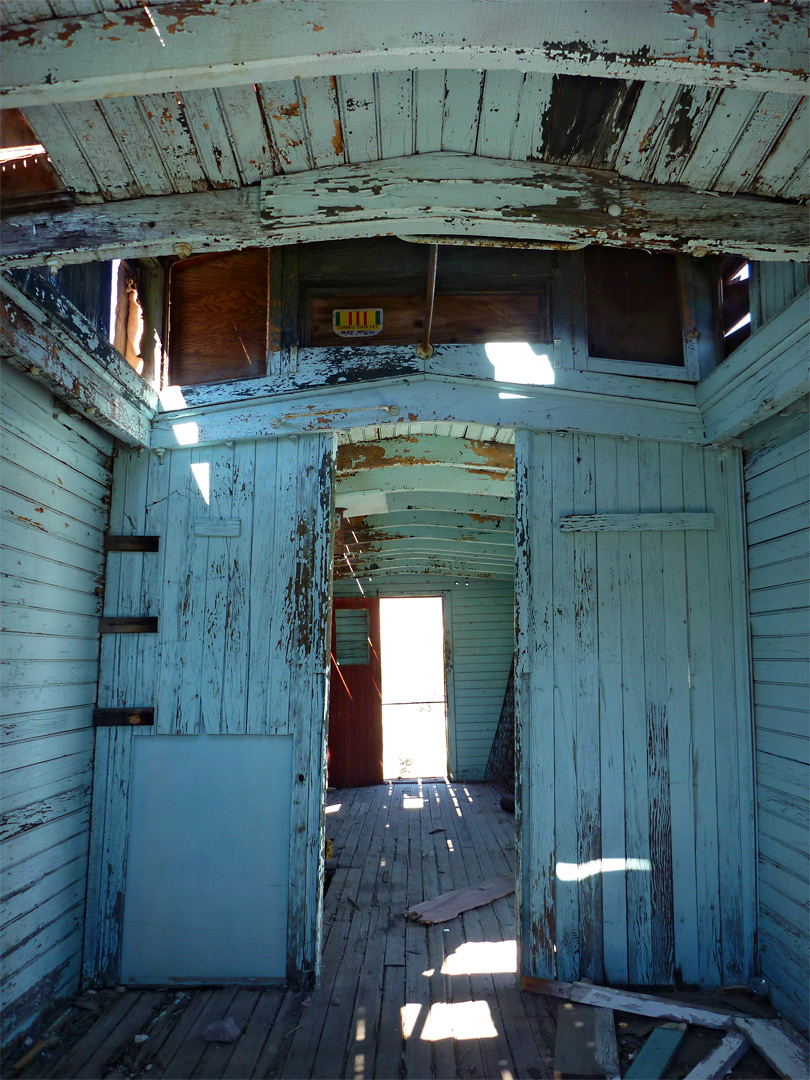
(706, 138)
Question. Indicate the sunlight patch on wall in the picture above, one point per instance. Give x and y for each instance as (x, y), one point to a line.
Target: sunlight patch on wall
(186, 434)
(202, 474)
(580, 871)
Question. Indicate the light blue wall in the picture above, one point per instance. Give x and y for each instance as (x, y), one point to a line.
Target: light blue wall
(482, 640)
(774, 285)
(777, 488)
(55, 487)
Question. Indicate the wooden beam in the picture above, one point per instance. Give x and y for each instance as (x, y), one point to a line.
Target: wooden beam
(628, 1001)
(194, 44)
(442, 193)
(766, 374)
(72, 376)
(784, 1049)
(427, 399)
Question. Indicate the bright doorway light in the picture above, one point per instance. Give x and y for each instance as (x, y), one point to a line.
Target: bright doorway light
(413, 697)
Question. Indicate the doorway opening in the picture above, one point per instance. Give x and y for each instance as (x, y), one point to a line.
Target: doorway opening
(414, 698)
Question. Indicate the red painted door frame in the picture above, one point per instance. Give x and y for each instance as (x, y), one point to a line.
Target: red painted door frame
(354, 747)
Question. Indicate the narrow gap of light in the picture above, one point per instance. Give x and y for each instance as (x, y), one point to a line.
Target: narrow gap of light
(455, 801)
(507, 397)
(114, 299)
(332, 808)
(361, 1029)
(154, 25)
(20, 153)
(450, 844)
(744, 321)
(186, 434)
(202, 474)
(742, 274)
(515, 361)
(580, 871)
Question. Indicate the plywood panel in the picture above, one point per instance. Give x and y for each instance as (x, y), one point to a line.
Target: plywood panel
(196, 875)
(218, 317)
(642, 610)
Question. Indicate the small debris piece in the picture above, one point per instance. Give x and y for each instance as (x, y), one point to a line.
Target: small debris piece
(222, 1031)
(656, 1053)
(450, 904)
(508, 803)
(140, 1039)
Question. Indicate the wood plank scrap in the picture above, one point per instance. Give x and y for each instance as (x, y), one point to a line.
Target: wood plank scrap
(628, 1001)
(450, 904)
(657, 1052)
(575, 1045)
(722, 1058)
(782, 1047)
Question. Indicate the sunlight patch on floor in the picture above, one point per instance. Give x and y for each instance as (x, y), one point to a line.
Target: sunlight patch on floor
(482, 958)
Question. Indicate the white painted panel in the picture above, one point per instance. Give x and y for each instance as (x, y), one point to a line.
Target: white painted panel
(55, 477)
(633, 716)
(207, 879)
(779, 600)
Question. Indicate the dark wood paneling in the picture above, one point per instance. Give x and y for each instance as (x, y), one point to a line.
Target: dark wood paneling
(218, 317)
(632, 306)
(355, 709)
(460, 319)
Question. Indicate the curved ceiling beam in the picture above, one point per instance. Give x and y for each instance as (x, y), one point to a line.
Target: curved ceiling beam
(197, 44)
(439, 192)
(418, 478)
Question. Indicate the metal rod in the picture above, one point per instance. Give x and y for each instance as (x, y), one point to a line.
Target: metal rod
(425, 350)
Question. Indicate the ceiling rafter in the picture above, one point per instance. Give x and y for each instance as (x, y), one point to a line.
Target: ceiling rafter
(440, 193)
(195, 44)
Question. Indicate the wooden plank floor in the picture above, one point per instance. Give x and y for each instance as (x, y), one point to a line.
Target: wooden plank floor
(397, 1000)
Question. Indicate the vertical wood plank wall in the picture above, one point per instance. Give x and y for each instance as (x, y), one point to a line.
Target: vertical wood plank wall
(55, 491)
(242, 646)
(775, 285)
(482, 639)
(633, 713)
(777, 490)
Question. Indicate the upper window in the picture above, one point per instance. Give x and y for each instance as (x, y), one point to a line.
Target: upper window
(632, 306)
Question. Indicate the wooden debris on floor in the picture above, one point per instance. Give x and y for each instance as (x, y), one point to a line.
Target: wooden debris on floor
(776, 1043)
(657, 1052)
(451, 904)
(586, 1043)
